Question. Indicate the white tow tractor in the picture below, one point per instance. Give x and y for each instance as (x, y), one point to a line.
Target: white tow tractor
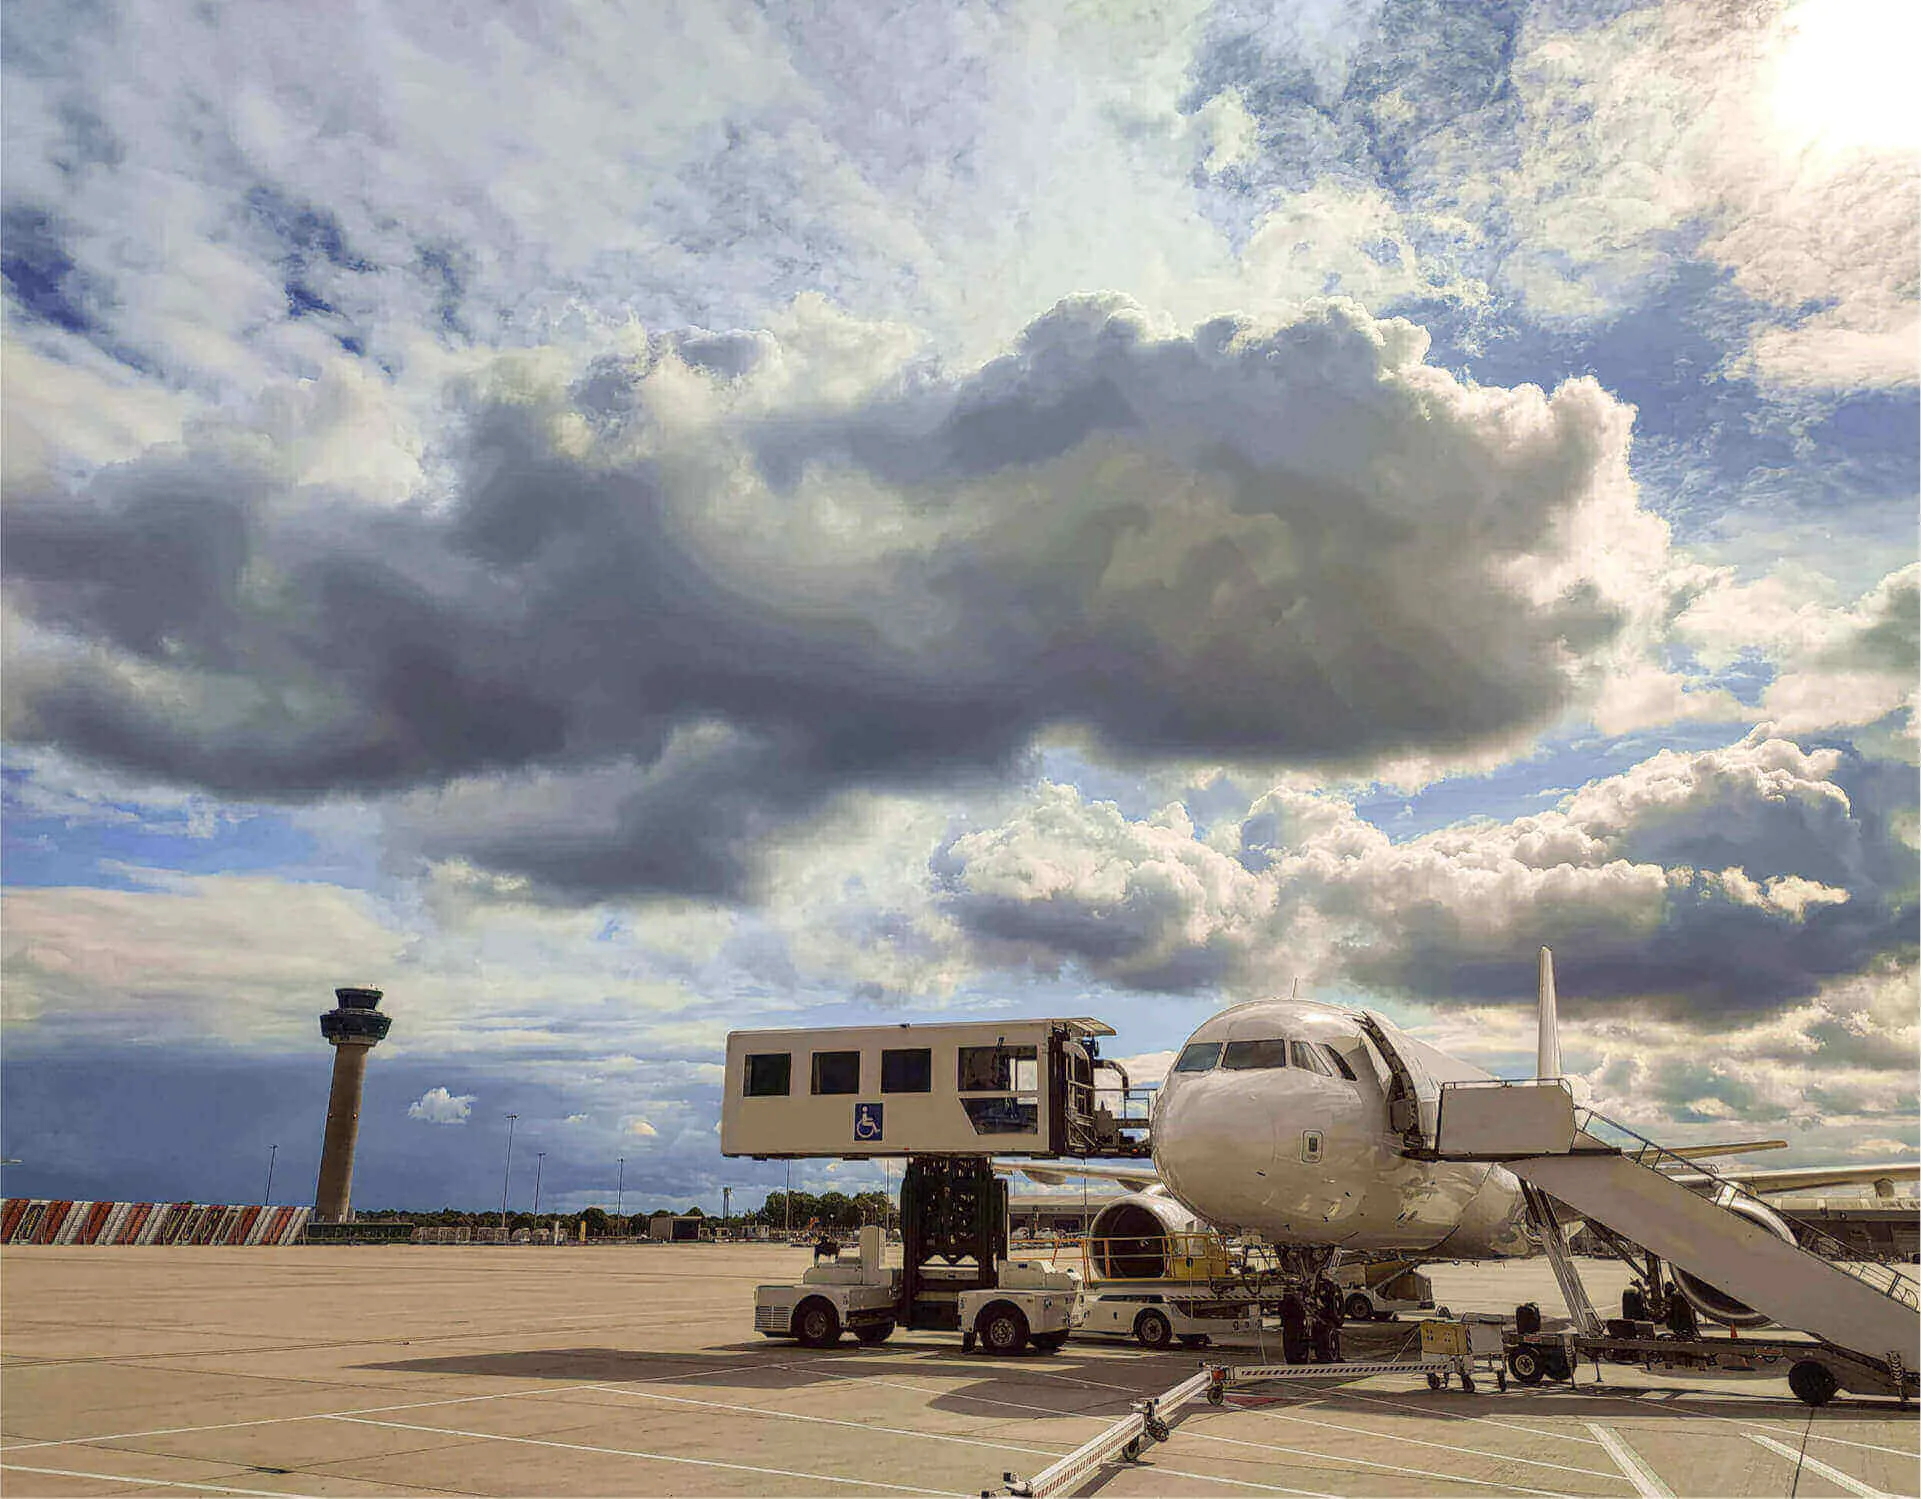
(1033, 1303)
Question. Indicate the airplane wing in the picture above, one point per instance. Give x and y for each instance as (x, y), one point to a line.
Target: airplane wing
(1134, 1178)
(1805, 1178)
(1733, 1147)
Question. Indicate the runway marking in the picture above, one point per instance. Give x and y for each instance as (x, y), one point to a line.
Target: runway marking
(897, 1431)
(1815, 1465)
(1337, 1460)
(1386, 1436)
(1647, 1483)
(1012, 1405)
(148, 1483)
(652, 1457)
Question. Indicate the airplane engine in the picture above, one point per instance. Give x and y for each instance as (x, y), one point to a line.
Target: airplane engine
(1129, 1238)
(1714, 1303)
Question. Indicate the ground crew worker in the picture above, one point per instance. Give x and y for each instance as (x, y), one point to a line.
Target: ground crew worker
(1294, 1339)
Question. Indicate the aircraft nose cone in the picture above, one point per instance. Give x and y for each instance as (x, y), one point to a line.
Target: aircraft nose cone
(1215, 1144)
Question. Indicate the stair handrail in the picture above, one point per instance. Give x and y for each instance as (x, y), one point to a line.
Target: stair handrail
(1883, 1277)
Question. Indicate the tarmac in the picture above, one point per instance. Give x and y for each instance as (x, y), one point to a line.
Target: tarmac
(633, 1370)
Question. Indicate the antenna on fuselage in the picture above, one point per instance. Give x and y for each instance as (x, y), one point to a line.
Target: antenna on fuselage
(1295, 992)
(1547, 1054)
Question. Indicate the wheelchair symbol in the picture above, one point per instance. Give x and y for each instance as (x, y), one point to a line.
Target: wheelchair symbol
(867, 1121)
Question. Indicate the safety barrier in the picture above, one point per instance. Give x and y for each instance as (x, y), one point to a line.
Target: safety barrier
(39, 1220)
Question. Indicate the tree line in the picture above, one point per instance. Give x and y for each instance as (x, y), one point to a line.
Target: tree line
(828, 1211)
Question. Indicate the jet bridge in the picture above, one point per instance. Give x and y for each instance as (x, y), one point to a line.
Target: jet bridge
(1793, 1273)
(1036, 1088)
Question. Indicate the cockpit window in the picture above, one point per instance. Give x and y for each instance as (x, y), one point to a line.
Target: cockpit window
(1307, 1055)
(1199, 1056)
(1248, 1055)
(1340, 1062)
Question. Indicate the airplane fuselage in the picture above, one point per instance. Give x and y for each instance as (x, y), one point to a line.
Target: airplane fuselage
(1275, 1121)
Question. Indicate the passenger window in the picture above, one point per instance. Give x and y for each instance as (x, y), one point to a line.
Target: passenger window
(1199, 1057)
(1340, 1062)
(1246, 1056)
(837, 1072)
(990, 1069)
(909, 1071)
(1307, 1055)
(767, 1075)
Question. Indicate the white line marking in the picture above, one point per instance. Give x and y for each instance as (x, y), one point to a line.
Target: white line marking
(1815, 1465)
(1386, 1436)
(1755, 1424)
(147, 1483)
(1647, 1483)
(652, 1457)
(1336, 1460)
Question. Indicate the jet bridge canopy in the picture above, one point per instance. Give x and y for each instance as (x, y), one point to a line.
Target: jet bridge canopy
(1001, 1087)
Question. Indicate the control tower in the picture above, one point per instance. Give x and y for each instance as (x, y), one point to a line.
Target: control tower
(354, 1027)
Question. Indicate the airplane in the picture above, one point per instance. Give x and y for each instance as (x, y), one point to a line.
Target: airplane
(1296, 1122)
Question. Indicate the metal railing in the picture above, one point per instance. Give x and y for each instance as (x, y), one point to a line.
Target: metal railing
(1636, 1147)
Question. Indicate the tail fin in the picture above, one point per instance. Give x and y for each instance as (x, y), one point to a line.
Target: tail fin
(1547, 1056)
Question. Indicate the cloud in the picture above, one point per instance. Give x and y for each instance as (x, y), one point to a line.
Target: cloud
(654, 622)
(438, 1106)
(1880, 1145)
(577, 1118)
(1728, 880)
(641, 1128)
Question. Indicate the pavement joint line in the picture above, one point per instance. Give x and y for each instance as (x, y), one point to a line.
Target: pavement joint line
(653, 1457)
(1535, 1431)
(369, 1410)
(1386, 1436)
(148, 1483)
(888, 1384)
(1239, 1483)
(1647, 1483)
(1336, 1460)
(1814, 1465)
(897, 1431)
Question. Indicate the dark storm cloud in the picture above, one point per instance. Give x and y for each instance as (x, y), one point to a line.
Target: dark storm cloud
(1293, 541)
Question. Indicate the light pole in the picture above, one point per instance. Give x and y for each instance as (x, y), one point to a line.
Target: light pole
(726, 1201)
(266, 1198)
(620, 1195)
(540, 1157)
(507, 1175)
(787, 1201)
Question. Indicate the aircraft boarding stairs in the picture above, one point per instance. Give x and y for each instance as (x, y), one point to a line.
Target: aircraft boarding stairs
(1607, 1172)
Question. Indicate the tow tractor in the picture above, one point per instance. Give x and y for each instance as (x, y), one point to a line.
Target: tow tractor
(944, 1097)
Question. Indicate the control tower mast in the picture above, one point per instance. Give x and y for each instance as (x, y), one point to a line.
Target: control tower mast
(354, 1027)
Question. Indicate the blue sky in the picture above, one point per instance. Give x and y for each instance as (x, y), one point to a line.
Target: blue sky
(616, 528)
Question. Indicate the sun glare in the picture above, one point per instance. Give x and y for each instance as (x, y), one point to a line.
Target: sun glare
(1844, 76)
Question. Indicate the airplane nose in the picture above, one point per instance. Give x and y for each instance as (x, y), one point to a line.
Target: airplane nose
(1217, 1140)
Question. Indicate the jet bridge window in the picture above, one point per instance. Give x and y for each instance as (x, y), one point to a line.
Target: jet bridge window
(1246, 1056)
(1199, 1057)
(837, 1072)
(1309, 1056)
(909, 1071)
(767, 1075)
(999, 1069)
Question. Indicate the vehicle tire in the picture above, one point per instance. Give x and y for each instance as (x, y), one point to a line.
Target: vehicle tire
(1554, 1363)
(1359, 1308)
(1525, 1364)
(1195, 1340)
(1048, 1342)
(1003, 1330)
(1467, 1384)
(875, 1332)
(816, 1323)
(1153, 1330)
(1813, 1382)
(1437, 1381)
